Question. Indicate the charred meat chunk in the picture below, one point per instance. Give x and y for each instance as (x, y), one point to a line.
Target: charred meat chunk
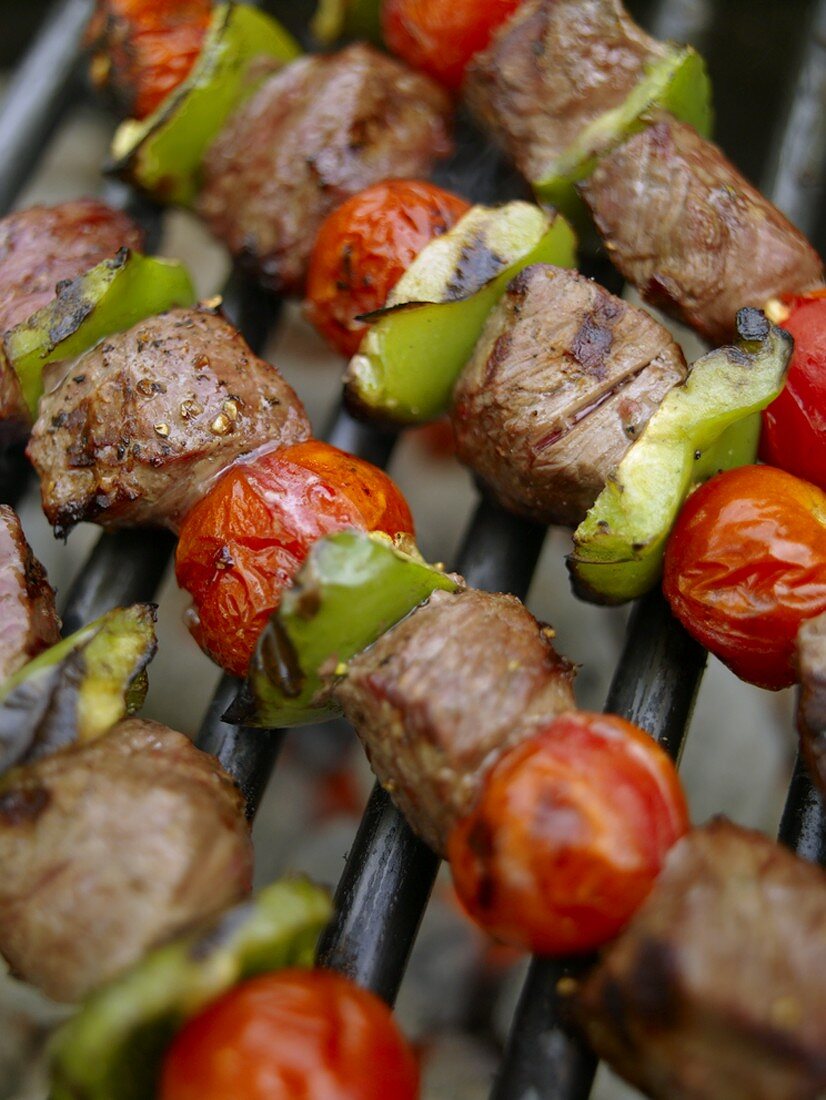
(39, 248)
(142, 423)
(552, 69)
(697, 239)
(715, 990)
(811, 715)
(562, 381)
(28, 619)
(444, 693)
(110, 847)
(315, 133)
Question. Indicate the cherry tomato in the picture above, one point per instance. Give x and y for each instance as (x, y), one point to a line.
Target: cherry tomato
(243, 543)
(363, 249)
(745, 565)
(441, 36)
(794, 425)
(295, 1033)
(568, 835)
(145, 48)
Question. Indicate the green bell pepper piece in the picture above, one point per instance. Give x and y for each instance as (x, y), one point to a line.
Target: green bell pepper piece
(162, 154)
(350, 590)
(679, 84)
(110, 297)
(410, 358)
(78, 689)
(704, 425)
(335, 19)
(113, 1048)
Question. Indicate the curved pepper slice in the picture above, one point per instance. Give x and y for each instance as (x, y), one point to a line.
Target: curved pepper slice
(350, 590)
(78, 689)
(110, 297)
(335, 19)
(618, 547)
(679, 84)
(114, 1046)
(410, 358)
(162, 154)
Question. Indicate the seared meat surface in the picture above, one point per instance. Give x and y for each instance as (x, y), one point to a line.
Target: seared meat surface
(439, 697)
(28, 619)
(682, 224)
(811, 715)
(142, 423)
(562, 381)
(315, 133)
(108, 848)
(39, 248)
(715, 990)
(552, 69)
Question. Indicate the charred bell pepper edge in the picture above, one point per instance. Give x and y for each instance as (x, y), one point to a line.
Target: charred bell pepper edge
(108, 298)
(162, 155)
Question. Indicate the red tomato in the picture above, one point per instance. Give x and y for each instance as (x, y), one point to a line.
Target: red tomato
(794, 426)
(296, 1033)
(364, 247)
(243, 543)
(569, 834)
(745, 565)
(441, 36)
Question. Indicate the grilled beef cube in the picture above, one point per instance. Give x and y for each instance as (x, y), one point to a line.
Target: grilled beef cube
(682, 224)
(39, 248)
(110, 847)
(142, 423)
(552, 69)
(715, 990)
(28, 618)
(561, 383)
(315, 133)
(811, 715)
(443, 694)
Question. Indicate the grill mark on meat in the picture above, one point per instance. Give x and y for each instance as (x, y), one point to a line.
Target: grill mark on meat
(593, 341)
(19, 807)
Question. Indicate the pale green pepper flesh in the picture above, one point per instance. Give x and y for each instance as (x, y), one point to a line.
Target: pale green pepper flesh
(162, 154)
(702, 426)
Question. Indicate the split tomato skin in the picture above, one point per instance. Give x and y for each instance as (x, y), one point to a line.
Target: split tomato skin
(295, 1033)
(439, 37)
(569, 834)
(364, 247)
(794, 425)
(745, 565)
(243, 543)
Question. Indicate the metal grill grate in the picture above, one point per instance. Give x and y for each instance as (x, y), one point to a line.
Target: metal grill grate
(389, 873)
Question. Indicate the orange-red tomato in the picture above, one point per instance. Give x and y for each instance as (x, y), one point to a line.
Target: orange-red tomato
(364, 247)
(745, 565)
(145, 48)
(306, 1034)
(243, 543)
(441, 36)
(794, 425)
(569, 834)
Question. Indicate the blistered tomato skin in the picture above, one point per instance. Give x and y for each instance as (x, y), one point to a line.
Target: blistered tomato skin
(569, 834)
(794, 426)
(745, 565)
(363, 249)
(294, 1033)
(439, 37)
(243, 543)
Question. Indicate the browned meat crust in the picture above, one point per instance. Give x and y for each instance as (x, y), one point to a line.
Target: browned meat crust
(39, 248)
(715, 990)
(562, 381)
(110, 847)
(142, 424)
(439, 697)
(682, 224)
(550, 71)
(811, 715)
(318, 131)
(28, 619)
